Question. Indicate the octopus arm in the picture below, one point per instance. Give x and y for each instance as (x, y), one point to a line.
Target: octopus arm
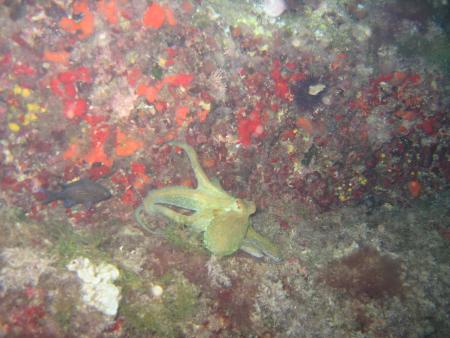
(203, 182)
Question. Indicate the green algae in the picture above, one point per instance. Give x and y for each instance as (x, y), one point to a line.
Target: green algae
(141, 320)
(157, 71)
(130, 281)
(180, 238)
(69, 244)
(162, 316)
(11, 215)
(19, 214)
(181, 300)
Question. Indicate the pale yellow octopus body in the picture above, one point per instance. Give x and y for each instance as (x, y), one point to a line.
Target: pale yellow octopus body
(223, 219)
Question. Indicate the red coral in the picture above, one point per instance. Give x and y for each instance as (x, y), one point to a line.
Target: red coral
(75, 108)
(64, 84)
(178, 79)
(23, 69)
(249, 127)
(138, 175)
(97, 155)
(129, 197)
(281, 86)
(137, 168)
(94, 120)
(28, 318)
(151, 92)
(99, 171)
(80, 74)
(121, 179)
(62, 89)
(99, 135)
(82, 28)
(133, 76)
(109, 10)
(429, 126)
(125, 145)
(154, 16)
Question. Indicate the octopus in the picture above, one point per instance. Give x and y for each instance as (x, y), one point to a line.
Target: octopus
(223, 220)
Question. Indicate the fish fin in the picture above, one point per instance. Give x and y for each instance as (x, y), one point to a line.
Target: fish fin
(51, 196)
(68, 203)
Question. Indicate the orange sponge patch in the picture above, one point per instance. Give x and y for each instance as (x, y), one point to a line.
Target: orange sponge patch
(154, 16)
(126, 146)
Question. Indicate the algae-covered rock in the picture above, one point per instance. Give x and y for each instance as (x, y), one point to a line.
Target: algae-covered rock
(165, 314)
(22, 267)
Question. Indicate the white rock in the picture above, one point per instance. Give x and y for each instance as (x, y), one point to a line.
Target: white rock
(97, 287)
(316, 89)
(157, 291)
(274, 8)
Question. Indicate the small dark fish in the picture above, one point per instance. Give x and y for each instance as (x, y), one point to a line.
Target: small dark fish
(84, 192)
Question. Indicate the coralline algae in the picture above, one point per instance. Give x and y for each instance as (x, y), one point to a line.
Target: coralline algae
(97, 288)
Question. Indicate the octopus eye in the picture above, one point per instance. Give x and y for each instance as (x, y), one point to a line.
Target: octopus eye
(239, 203)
